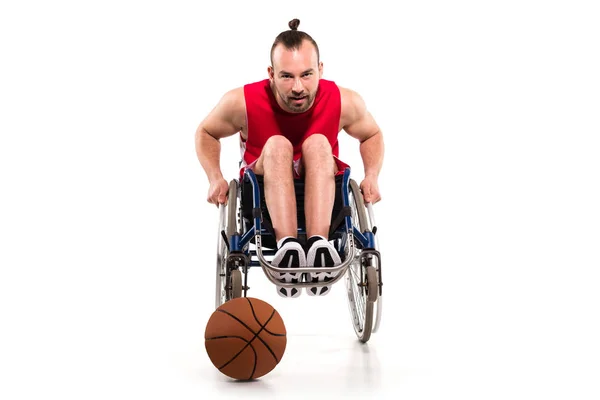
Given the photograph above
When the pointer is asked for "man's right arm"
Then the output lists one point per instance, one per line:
(226, 119)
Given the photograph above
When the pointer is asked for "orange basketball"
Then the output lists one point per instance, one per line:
(245, 338)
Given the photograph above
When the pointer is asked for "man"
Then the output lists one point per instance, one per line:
(288, 127)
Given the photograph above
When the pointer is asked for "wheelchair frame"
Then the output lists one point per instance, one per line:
(358, 248)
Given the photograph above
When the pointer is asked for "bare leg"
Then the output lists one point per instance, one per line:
(275, 164)
(319, 187)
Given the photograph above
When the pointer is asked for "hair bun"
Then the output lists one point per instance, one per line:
(294, 24)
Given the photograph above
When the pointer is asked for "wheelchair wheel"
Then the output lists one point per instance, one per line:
(379, 304)
(229, 281)
(362, 278)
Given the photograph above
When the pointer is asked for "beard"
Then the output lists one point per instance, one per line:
(295, 106)
(302, 106)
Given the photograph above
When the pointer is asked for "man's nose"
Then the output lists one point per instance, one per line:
(298, 88)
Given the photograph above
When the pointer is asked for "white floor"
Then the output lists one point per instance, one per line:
(124, 336)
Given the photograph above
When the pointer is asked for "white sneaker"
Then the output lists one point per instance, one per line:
(321, 253)
(290, 255)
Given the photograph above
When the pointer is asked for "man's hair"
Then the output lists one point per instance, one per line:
(292, 39)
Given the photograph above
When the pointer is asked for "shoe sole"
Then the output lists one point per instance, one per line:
(290, 259)
(322, 258)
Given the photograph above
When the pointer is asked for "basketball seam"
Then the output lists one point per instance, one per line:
(239, 352)
(255, 334)
(265, 326)
(227, 337)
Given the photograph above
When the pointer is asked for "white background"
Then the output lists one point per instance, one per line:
(489, 224)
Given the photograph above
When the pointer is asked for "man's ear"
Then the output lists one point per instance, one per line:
(271, 73)
(320, 69)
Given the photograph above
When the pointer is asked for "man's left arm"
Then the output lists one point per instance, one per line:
(360, 124)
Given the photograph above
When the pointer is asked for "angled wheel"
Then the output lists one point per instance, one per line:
(379, 303)
(228, 282)
(362, 278)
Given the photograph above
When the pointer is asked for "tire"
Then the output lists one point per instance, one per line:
(362, 280)
(228, 283)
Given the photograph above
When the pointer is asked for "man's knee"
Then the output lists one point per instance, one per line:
(277, 150)
(316, 145)
(317, 155)
(278, 146)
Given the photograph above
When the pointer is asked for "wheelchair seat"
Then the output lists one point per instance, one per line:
(268, 240)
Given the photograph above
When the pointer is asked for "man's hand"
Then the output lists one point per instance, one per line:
(217, 192)
(370, 190)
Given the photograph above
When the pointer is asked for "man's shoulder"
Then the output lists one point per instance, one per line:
(329, 86)
(256, 90)
(349, 96)
(345, 91)
(352, 104)
(233, 98)
(256, 86)
(239, 92)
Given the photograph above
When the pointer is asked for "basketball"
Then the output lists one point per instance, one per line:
(245, 338)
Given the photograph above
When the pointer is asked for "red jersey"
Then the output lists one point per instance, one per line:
(266, 118)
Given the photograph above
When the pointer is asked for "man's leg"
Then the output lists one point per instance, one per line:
(275, 164)
(319, 184)
(319, 195)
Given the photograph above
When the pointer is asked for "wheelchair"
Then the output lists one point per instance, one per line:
(245, 241)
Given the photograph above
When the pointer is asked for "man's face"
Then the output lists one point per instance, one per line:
(295, 77)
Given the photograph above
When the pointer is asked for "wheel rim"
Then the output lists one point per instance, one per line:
(227, 223)
(379, 303)
(221, 257)
(361, 310)
(357, 299)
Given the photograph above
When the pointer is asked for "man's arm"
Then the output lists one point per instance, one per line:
(226, 119)
(360, 124)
